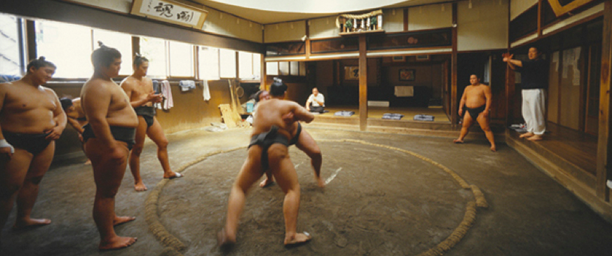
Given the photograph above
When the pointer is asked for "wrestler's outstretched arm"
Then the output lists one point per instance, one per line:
(301, 114)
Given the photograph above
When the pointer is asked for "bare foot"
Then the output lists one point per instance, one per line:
(122, 219)
(88, 162)
(117, 243)
(535, 138)
(173, 175)
(140, 186)
(320, 182)
(266, 182)
(493, 148)
(457, 141)
(30, 223)
(526, 135)
(297, 239)
(225, 241)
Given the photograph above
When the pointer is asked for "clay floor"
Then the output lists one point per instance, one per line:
(386, 194)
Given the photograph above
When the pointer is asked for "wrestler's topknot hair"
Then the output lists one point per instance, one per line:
(104, 56)
(139, 59)
(66, 102)
(278, 88)
(39, 63)
(256, 95)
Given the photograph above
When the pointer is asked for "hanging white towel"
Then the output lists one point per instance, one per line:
(206, 93)
(167, 92)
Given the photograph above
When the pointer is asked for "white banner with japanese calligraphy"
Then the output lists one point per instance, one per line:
(170, 11)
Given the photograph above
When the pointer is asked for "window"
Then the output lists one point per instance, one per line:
(283, 68)
(181, 59)
(257, 66)
(10, 63)
(303, 69)
(67, 46)
(295, 68)
(119, 41)
(249, 65)
(155, 51)
(208, 63)
(227, 60)
(272, 68)
(245, 65)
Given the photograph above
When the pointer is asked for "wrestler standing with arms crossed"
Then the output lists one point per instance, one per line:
(108, 138)
(31, 119)
(139, 90)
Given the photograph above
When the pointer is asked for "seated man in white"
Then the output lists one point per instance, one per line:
(315, 102)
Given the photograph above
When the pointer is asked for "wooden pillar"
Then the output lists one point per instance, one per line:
(363, 84)
(510, 87)
(307, 41)
(31, 38)
(405, 19)
(453, 93)
(539, 30)
(604, 149)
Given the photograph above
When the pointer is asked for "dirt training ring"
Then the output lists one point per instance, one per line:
(173, 245)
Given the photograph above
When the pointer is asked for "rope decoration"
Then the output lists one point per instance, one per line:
(362, 16)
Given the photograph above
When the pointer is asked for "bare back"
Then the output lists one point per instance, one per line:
(27, 109)
(118, 110)
(137, 89)
(475, 95)
(78, 114)
(271, 112)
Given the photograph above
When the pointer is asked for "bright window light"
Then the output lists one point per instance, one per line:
(155, 51)
(227, 59)
(67, 46)
(208, 63)
(257, 66)
(181, 59)
(121, 42)
(245, 62)
(272, 68)
(10, 63)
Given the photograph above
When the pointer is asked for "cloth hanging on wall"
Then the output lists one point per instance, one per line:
(167, 92)
(206, 93)
(187, 85)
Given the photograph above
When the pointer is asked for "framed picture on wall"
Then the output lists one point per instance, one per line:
(351, 73)
(422, 57)
(398, 58)
(406, 74)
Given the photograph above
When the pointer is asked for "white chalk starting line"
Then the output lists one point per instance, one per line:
(332, 176)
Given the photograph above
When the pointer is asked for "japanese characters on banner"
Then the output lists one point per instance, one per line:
(170, 11)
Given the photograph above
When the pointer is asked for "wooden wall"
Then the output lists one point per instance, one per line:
(189, 111)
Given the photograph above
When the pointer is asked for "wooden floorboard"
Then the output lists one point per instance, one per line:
(377, 112)
(575, 147)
